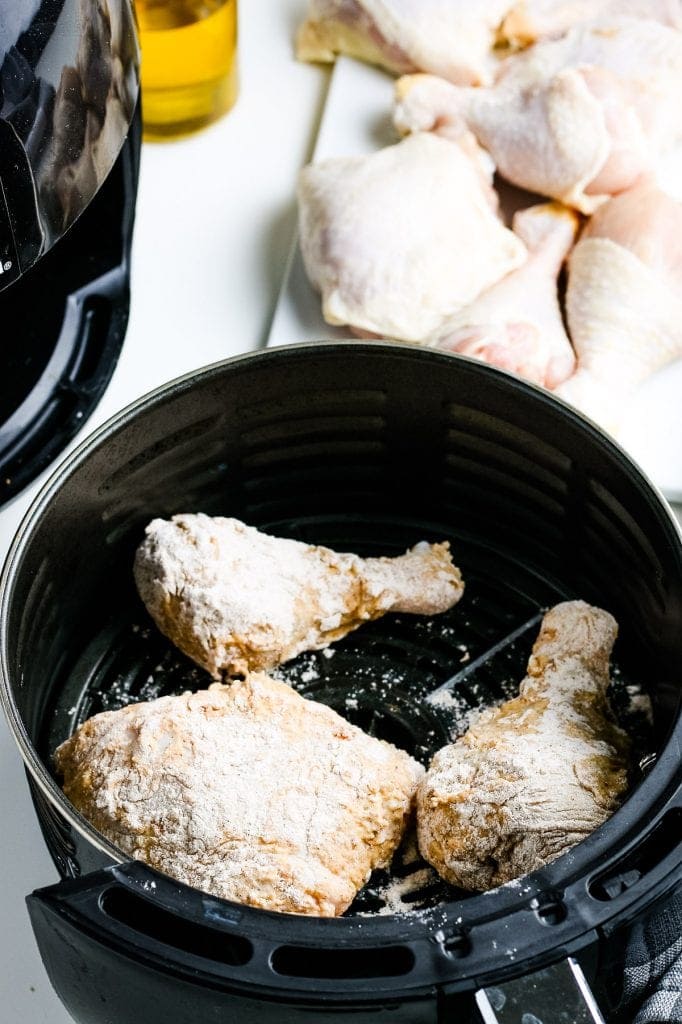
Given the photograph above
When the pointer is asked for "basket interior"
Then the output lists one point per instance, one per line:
(537, 506)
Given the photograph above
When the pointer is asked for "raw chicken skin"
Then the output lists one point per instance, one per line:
(624, 300)
(236, 600)
(531, 20)
(578, 119)
(399, 241)
(537, 774)
(517, 323)
(451, 38)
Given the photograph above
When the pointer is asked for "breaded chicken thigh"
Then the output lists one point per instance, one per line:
(247, 791)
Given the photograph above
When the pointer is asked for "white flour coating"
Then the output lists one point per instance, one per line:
(235, 599)
(461, 715)
(537, 774)
(247, 791)
(394, 891)
(639, 703)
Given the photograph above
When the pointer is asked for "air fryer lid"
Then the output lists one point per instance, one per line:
(68, 89)
(68, 316)
(369, 447)
(69, 157)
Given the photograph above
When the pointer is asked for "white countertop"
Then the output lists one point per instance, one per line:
(215, 219)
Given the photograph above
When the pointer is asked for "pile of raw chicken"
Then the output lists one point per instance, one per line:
(577, 101)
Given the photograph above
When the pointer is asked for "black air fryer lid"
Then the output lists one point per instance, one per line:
(69, 153)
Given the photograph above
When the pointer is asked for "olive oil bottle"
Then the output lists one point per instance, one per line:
(189, 64)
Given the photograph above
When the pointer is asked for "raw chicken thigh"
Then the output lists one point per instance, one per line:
(517, 323)
(531, 20)
(532, 777)
(235, 599)
(399, 241)
(247, 791)
(624, 300)
(578, 119)
(452, 38)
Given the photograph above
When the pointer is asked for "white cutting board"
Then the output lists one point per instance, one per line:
(356, 121)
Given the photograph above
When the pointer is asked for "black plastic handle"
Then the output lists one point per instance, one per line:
(128, 944)
(553, 995)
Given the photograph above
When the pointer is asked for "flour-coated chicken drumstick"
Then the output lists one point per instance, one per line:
(236, 600)
(537, 774)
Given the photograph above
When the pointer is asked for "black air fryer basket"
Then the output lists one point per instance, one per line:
(368, 447)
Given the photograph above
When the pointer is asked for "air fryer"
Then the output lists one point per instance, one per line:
(69, 159)
(367, 447)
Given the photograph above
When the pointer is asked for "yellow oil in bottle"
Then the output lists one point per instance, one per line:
(189, 63)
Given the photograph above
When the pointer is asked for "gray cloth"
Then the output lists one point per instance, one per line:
(653, 967)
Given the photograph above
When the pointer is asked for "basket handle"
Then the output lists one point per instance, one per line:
(556, 993)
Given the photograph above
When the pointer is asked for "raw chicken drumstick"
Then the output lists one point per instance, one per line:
(539, 773)
(516, 324)
(579, 118)
(531, 20)
(236, 600)
(400, 240)
(452, 38)
(247, 791)
(624, 300)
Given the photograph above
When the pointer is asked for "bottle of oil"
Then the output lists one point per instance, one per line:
(189, 64)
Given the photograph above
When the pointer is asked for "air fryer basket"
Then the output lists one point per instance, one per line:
(367, 447)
